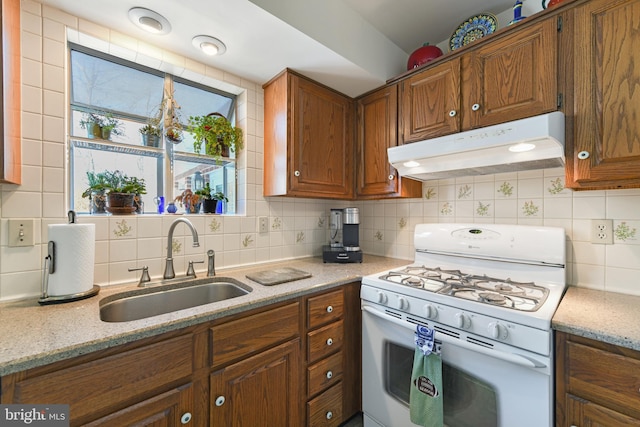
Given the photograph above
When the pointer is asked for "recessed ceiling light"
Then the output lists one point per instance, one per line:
(149, 20)
(209, 45)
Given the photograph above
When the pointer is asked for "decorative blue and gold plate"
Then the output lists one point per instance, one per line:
(473, 29)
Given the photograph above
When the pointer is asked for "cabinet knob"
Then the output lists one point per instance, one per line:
(329, 341)
(391, 177)
(453, 113)
(583, 155)
(330, 309)
(297, 173)
(220, 400)
(185, 418)
(329, 375)
(475, 107)
(329, 415)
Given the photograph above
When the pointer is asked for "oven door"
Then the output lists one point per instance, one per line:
(481, 387)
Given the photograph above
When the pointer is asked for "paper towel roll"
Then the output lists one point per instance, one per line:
(75, 246)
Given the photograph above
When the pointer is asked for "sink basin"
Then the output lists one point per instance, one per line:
(169, 298)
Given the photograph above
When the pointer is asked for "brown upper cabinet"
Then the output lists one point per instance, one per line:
(308, 139)
(604, 149)
(377, 130)
(10, 132)
(512, 77)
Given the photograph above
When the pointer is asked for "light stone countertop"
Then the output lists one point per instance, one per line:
(32, 335)
(603, 316)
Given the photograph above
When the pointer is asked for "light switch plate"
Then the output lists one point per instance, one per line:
(21, 232)
(263, 224)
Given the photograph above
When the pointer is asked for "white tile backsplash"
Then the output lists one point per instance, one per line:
(297, 227)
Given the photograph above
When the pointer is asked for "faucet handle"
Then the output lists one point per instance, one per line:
(145, 275)
(190, 271)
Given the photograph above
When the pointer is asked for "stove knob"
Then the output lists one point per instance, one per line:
(403, 303)
(464, 322)
(382, 298)
(430, 311)
(498, 331)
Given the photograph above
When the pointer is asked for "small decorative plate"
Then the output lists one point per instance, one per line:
(473, 29)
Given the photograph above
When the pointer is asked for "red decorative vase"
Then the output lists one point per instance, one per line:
(551, 3)
(423, 55)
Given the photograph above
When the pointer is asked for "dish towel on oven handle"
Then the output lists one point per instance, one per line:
(425, 398)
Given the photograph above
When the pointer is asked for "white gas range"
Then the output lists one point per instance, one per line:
(489, 291)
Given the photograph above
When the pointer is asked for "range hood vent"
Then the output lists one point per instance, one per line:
(531, 143)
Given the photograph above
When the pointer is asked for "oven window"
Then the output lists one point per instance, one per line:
(468, 401)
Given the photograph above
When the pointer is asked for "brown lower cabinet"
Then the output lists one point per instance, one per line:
(597, 384)
(293, 363)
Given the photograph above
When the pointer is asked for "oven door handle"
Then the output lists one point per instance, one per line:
(517, 359)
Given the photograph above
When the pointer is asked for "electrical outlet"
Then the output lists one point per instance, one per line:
(21, 232)
(263, 224)
(602, 231)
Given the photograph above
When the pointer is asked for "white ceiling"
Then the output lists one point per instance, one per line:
(350, 45)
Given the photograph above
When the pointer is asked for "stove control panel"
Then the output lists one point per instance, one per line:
(507, 332)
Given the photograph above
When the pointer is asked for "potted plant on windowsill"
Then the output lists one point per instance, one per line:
(122, 192)
(220, 199)
(92, 122)
(96, 192)
(217, 133)
(208, 204)
(151, 134)
(111, 126)
(189, 200)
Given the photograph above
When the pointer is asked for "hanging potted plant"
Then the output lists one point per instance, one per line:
(220, 199)
(96, 192)
(217, 133)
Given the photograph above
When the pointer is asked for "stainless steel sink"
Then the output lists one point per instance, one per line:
(169, 298)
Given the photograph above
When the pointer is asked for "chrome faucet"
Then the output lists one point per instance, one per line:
(169, 273)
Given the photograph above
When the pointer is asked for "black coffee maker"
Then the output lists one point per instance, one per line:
(344, 227)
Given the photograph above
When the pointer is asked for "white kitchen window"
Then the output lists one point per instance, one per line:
(131, 96)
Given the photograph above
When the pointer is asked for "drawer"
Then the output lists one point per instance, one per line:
(602, 377)
(242, 337)
(94, 387)
(324, 341)
(326, 409)
(324, 308)
(324, 374)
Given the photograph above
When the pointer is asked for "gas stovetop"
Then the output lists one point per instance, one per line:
(480, 288)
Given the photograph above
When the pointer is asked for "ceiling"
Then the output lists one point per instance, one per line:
(350, 45)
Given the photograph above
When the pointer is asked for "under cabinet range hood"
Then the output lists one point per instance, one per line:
(531, 143)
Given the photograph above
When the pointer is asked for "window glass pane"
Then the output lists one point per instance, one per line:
(193, 175)
(106, 85)
(134, 165)
(194, 101)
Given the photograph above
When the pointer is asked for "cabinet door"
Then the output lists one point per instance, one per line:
(173, 408)
(262, 390)
(587, 414)
(512, 77)
(606, 151)
(321, 141)
(377, 131)
(430, 103)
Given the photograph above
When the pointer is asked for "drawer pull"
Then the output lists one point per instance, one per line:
(452, 113)
(330, 309)
(185, 418)
(297, 173)
(583, 155)
(391, 177)
(329, 375)
(220, 400)
(329, 415)
(475, 107)
(329, 341)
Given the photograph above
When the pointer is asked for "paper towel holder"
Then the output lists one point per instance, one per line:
(50, 268)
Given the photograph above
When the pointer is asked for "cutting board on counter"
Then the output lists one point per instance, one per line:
(276, 276)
